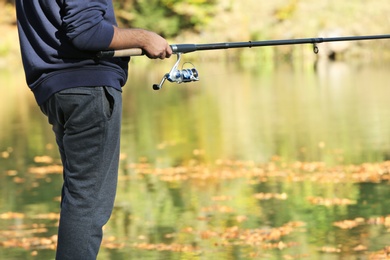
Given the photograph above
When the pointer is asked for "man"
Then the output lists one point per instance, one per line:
(81, 96)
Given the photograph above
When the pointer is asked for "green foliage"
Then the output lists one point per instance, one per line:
(166, 17)
(286, 11)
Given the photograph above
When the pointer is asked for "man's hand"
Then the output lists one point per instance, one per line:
(154, 46)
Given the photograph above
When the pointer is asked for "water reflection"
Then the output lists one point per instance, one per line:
(337, 115)
(216, 169)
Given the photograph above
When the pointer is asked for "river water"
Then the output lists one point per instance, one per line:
(252, 162)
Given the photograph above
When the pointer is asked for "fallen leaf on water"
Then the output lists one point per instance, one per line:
(360, 248)
(51, 216)
(328, 249)
(267, 196)
(18, 180)
(330, 201)
(217, 208)
(50, 169)
(29, 243)
(43, 159)
(4, 154)
(380, 255)
(349, 224)
(299, 256)
(380, 221)
(165, 247)
(241, 218)
(12, 215)
(352, 223)
(12, 173)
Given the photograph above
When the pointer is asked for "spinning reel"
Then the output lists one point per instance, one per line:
(177, 75)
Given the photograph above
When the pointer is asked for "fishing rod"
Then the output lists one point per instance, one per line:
(191, 74)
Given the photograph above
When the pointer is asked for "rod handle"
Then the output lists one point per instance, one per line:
(120, 53)
(176, 48)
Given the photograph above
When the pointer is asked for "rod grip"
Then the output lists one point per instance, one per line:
(120, 53)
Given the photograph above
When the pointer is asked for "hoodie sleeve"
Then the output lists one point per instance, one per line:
(88, 24)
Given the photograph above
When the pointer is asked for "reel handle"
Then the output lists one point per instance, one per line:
(159, 86)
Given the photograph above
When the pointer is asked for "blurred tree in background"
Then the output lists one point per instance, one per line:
(242, 20)
(165, 17)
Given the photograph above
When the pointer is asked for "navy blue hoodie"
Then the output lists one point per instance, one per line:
(58, 39)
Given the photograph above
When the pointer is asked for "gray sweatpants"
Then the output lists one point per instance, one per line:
(86, 122)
